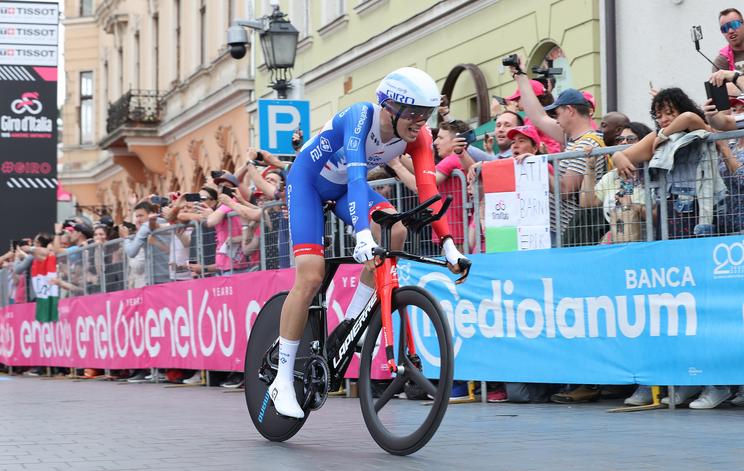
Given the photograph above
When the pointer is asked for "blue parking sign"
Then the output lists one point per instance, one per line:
(277, 120)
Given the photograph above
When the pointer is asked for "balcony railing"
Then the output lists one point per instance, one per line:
(135, 108)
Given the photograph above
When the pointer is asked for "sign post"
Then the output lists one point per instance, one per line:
(277, 120)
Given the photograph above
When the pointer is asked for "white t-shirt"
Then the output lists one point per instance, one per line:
(608, 186)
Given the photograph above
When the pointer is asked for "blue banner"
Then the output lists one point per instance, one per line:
(666, 313)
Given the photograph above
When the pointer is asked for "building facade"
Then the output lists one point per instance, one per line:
(347, 46)
(154, 101)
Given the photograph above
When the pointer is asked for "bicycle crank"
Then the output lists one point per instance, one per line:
(315, 382)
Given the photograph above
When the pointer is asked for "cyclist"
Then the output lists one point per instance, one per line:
(332, 166)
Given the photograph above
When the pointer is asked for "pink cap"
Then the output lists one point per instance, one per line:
(537, 87)
(590, 98)
(528, 130)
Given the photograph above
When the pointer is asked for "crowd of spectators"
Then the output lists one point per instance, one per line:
(603, 199)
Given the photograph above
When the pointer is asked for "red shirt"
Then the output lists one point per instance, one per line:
(452, 186)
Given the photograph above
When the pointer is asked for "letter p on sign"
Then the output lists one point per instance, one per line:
(277, 120)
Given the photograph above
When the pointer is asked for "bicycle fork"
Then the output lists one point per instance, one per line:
(386, 281)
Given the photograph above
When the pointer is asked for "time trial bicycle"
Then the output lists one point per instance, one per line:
(320, 367)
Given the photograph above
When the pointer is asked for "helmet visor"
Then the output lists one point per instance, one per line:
(409, 112)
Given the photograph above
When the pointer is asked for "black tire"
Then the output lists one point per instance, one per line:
(409, 441)
(265, 331)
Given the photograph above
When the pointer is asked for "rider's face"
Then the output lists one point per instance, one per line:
(408, 129)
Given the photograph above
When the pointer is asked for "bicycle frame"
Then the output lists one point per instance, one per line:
(386, 281)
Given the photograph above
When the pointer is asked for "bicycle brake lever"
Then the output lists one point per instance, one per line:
(464, 265)
(379, 252)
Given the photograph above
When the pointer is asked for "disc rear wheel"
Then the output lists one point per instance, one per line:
(264, 333)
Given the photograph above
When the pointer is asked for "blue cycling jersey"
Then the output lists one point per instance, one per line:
(345, 148)
(333, 166)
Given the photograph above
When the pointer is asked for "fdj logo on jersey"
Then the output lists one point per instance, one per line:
(28, 103)
(729, 260)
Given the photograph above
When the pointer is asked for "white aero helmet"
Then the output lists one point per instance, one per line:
(409, 86)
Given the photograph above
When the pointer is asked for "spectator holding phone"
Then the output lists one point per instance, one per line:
(146, 221)
(229, 228)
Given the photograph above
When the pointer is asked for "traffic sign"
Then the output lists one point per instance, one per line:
(277, 120)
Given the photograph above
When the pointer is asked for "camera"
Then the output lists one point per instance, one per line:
(228, 191)
(547, 72)
(237, 41)
(192, 197)
(512, 60)
(259, 156)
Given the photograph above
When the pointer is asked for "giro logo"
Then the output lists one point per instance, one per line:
(729, 259)
(28, 103)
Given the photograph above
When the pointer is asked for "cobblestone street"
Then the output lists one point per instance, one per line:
(56, 424)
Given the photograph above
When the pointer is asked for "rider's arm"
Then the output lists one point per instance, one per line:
(426, 176)
(357, 123)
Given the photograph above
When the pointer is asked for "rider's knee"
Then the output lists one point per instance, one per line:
(309, 282)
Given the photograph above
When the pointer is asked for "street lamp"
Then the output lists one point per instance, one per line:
(278, 42)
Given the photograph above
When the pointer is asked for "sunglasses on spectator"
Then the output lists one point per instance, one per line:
(626, 139)
(733, 24)
(409, 112)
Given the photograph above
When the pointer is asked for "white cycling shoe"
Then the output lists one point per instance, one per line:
(285, 402)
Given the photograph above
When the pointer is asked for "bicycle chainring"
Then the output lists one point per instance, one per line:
(315, 382)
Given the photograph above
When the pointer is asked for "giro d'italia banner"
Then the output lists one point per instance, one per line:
(667, 313)
(28, 116)
(199, 324)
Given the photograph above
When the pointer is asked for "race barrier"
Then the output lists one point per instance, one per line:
(200, 324)
(668, 312)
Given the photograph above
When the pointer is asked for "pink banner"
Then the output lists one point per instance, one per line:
(199, 324)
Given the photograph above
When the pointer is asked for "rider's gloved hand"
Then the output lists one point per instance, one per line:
(450, 252)
(364, 246)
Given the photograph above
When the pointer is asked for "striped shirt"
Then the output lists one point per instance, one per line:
(570, 203)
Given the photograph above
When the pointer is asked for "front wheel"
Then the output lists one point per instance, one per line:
(396, 426)
(264, 333)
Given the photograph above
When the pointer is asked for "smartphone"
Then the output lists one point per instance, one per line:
(469, 136)
(719, 95)
(696, 32)
(192, 197)
(259, 156)
(17, 243)
(228, 191)
(499, 99)
(650, 85)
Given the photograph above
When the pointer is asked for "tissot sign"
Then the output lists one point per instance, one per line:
(28, 117)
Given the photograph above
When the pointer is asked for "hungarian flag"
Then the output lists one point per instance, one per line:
(47, 294)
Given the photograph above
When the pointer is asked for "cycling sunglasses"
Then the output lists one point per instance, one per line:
(734, 24)
(409, 112)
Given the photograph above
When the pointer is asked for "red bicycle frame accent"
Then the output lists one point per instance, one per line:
(386, 280)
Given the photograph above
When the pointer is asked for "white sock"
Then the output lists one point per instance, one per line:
(361, 296)
(287, 353)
